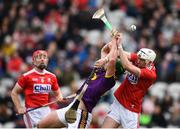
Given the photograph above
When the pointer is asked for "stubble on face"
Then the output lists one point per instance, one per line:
(41, 61)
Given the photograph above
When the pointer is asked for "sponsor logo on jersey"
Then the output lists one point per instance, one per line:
(42, 88)
(132, 78)
(42, 79)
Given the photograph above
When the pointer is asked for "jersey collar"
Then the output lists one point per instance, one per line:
(41, 73)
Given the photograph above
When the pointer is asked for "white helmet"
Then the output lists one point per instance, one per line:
(146, 54)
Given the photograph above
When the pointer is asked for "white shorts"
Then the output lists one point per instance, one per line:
(83, 119)
(123, 116)
(61, 114)
(33, 117)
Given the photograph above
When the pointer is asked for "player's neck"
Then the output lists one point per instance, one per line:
(39, 70)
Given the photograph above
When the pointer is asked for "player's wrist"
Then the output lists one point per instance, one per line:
(106, 59)
(120, 47)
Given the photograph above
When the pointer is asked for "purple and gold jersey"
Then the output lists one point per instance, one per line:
(97, 86)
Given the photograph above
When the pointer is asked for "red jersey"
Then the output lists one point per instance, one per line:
(132, 90)
(36, 87)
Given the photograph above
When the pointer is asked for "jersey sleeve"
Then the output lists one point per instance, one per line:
(55, 85)
(22, 81)
(148, 74)
(133, 57)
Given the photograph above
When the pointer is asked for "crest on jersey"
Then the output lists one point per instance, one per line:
(42, 79)
(132, 78)
(42, 88)
(49, 79)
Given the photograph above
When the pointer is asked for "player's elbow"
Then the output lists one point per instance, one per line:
(13, 93)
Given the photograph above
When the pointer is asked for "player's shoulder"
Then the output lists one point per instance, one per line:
(151, 72)
(50, 73)
(28, 73)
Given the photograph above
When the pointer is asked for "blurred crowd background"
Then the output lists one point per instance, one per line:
(73, 40)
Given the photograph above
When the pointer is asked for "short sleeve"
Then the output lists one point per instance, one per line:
(22, 81)
(55, 85)
(133, 57)
(148, 74)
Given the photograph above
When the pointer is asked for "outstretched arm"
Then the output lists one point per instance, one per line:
(104, 55)
(115, 33)
(105, 50)
(125, 61)
(128, 54)
(112, 56)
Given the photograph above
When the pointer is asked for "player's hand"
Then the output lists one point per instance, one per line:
(100, 63)
(118, 36)
(21, 110)
(60, 99)
(114, 32)
(119, 39)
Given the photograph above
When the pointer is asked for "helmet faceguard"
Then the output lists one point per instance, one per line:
(147, 54)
